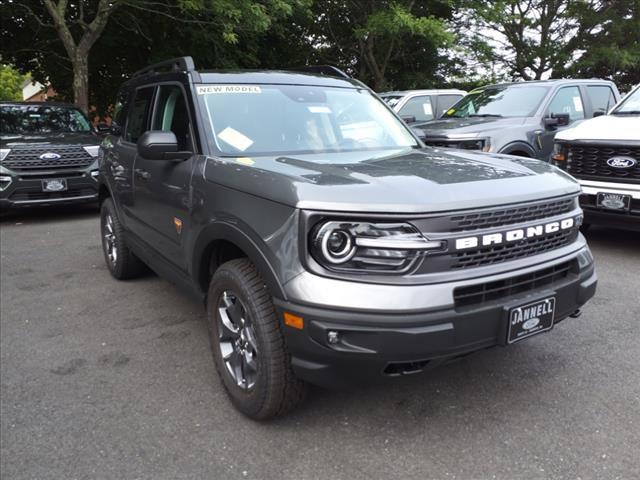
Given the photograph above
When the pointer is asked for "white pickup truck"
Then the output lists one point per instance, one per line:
(604, 155)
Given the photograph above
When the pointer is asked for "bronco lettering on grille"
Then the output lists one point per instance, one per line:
(515, 234)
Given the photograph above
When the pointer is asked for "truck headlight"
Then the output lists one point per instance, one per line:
(369, 247)
(559, 154)
(92, 150)
(4, 152)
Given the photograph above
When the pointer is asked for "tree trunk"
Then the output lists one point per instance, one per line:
(81, 82)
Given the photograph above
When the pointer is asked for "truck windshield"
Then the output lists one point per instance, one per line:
(502, 101)
(630, 105)
(282, 119)
(34, 119)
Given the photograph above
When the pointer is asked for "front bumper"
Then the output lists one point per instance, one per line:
(599, 216)
(26, 190)
(374, 345)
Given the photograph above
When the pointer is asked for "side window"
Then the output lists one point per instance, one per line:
(445, 102)
(568, 100)
(119, 109)
(601, 97)
(172, 114)
(418, 107)
(138, 115)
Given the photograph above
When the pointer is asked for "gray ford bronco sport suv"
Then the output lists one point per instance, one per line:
(329, 245)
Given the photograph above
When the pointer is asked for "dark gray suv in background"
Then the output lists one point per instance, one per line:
(519, 118)
(329, 245)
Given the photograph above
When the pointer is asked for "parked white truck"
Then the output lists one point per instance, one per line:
(604, 155)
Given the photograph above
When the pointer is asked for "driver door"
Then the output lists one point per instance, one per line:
(566, 100)
(161, 187)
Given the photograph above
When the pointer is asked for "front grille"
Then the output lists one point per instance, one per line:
(590, 161)
(462, 145)
(28, 158)
(508, 216)
(498, 290)
(492, 254)
(26, 196)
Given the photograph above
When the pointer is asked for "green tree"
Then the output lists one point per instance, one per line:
(10, 83)
(59, 38)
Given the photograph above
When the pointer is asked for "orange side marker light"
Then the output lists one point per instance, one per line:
(293, 321)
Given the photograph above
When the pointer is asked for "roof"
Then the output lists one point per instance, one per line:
(432, 91)
(550, 82)
(35, 104)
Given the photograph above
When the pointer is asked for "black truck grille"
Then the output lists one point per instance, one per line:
(590, 161)
(511, 251)
(508, 216)
(28, 158)
(498, 290)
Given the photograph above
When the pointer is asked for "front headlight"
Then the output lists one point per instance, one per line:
(482, 144)
(92, 150)
(363, 247)
(4, 152)
(559, 154)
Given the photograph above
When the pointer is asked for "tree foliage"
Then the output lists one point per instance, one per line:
(10, 83)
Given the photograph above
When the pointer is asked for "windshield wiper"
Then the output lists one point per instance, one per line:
(497, 115)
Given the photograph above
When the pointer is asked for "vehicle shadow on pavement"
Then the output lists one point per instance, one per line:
(625, 240)
(61, 213)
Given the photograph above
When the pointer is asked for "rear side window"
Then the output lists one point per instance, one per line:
(568, 100)
(602, 98)
(418, 107)
(445, 102)
(138, 115)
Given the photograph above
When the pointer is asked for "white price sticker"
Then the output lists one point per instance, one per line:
(235, 139)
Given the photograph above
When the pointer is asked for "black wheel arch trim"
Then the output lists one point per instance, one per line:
(518, 146)
(231, 233)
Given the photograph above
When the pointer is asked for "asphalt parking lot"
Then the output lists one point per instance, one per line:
(105, 379)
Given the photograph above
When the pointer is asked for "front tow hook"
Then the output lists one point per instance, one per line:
(576, 314)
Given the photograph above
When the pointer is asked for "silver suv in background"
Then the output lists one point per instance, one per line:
(519, 118)
(416, 106)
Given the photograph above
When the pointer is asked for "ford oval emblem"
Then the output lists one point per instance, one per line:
(621, 162)
(49, 156)
(531, 323)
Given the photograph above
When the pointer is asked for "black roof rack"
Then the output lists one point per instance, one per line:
(328, 70)
(180, 64)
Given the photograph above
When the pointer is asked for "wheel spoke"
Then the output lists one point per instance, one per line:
(251, 338)
(228, 330)
(235, 367)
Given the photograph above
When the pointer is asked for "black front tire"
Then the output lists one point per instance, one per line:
(273, 389)
(122, 263)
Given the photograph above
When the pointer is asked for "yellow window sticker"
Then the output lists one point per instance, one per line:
(209, 89)
(451, 111)
(245, 160)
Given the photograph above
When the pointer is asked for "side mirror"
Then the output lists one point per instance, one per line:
(556, 120)
(103, 128)
(599, 113)
(160, 145)
(408, 118)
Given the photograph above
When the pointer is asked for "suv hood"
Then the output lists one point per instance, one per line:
(88, 138)
(399, 181)
(607, 127)
(456, 126)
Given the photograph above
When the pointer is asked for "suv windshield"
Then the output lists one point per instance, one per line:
(281, 119)
(630, 105)
(503, 101)
(30, 119)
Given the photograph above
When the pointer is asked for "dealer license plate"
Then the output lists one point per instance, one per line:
(54, 185)
(531, 319)
(613, 201)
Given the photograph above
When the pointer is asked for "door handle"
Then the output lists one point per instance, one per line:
(143, 174)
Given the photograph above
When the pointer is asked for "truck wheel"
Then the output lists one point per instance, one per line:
(122, 263)
(247, 344)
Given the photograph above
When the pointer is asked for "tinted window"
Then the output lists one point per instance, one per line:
(502, 101)
(446, 101)
(118, 108)
(601, 97)
(138, 116)
(418, 107)
(172, 114)
(268, 119)
(26, 119)
(568, 100)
